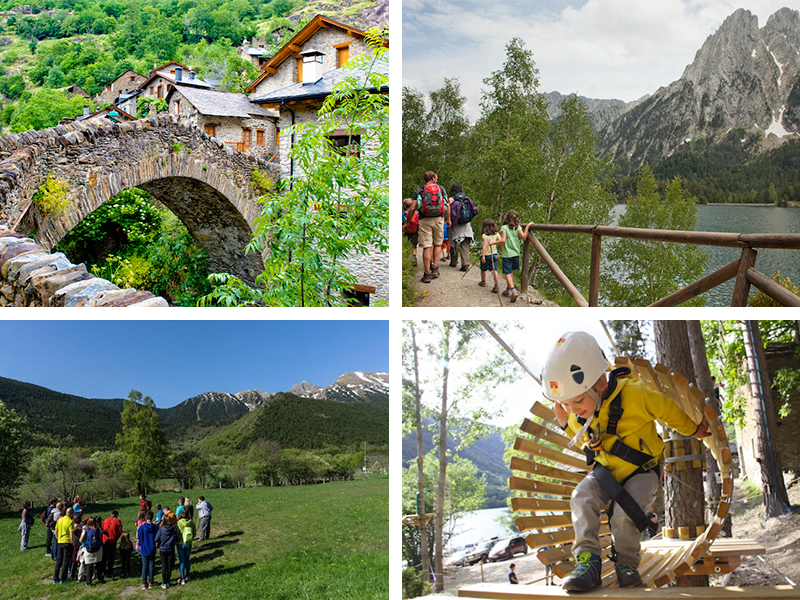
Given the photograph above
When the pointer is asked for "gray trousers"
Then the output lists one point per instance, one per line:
(463, 249)
(590, 498)
(205, 527)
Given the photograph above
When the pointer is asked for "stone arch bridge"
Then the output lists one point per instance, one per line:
(204, 183)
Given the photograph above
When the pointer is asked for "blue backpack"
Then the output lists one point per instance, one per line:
(463, 209)
(94, 541)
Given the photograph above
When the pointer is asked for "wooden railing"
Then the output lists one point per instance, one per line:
(743, 268)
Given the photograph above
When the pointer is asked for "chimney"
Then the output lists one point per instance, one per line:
(191, 75)
(85, 111)
(178, 74)
(312, 66)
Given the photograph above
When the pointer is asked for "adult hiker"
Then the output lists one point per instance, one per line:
(112, 530)
(25, 525)
(204, 509)
(462, 210)
(433, 214)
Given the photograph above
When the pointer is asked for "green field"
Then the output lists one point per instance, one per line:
(328, 541)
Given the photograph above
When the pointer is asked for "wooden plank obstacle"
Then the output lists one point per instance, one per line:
(551, 471)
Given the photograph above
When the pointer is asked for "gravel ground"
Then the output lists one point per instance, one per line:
(455, 287)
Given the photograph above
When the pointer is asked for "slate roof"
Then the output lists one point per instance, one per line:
(319, 89)
(214, 103)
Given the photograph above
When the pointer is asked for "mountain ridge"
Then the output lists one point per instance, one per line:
(742, 76)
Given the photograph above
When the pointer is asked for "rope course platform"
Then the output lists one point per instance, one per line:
(498, 591)
(549, 473)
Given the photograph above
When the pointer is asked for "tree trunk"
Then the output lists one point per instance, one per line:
(442, 481)
(683, 484)
(423, 527)
(713, 486)
(776, 500)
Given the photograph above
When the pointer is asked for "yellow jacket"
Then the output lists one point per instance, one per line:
(637, 429)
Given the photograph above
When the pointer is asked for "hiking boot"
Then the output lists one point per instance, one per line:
(627, 576)
(507, 292)
(482, 284)
(426, 278)
(514, 295)
(435, 272)
(465, 267)
(495, 289)
(586, 575)
(415, 261)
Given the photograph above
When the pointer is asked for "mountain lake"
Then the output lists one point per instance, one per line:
(756, 218)
(477, 526)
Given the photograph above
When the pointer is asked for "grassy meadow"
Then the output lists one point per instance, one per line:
(328, 541)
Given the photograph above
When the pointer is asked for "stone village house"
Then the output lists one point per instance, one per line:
(295, 82)
(229, 117)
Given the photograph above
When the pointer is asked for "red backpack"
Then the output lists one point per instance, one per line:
(412, 224)
(432, 200)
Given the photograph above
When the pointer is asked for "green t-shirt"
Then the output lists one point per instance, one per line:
(512, 245)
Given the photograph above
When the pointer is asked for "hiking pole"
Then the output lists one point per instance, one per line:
(508, 349)
(468, 270)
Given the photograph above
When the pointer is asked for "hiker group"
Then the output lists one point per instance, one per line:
(441, 224)
(85, 548)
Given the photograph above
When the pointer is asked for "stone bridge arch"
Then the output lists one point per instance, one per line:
(204, 183)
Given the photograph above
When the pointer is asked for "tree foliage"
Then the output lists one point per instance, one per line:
(645, 271)
(14, 454)
(336, 204)
(141, 441)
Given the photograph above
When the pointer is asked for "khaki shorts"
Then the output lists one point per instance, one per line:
(431, 231)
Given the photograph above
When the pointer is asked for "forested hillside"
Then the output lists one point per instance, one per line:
(54, 418)
(306, 423)
(50, 44)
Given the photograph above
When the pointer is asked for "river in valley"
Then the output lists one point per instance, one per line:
(745, 219)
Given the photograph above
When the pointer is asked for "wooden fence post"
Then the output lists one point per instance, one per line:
(594, 277)
(526, 261)
(741, 288)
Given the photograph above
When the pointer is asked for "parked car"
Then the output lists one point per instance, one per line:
(508, 547)
(457, 559)
(480, 553)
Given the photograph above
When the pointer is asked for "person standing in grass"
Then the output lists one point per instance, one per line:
(112, 529)
(511, 234)
(204, 509)
(147, 542)
(186, 531)
(64, 528)
(166, 539)
(125, 552)
(25, 525)
(92, 539)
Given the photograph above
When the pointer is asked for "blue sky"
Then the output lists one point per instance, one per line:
(171, 361)
(620, 49)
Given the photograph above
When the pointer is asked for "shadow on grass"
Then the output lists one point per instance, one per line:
(205, 557)
(199, 547)
(220, 570)
(228, 534)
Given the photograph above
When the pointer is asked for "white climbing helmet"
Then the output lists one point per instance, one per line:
(573, 366)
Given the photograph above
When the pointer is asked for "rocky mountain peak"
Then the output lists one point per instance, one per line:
(742, 76)
(305, 389)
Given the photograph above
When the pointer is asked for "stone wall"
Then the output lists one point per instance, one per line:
(31, 276)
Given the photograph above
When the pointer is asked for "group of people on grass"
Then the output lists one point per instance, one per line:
(441, 224)
(84, 548)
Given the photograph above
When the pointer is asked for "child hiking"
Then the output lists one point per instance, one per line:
(491, 238)
(411, 224)
(612, 418)
(510, 236)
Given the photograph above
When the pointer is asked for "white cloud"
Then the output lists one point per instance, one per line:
(598, 48)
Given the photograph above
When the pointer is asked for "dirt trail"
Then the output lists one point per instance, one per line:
(455, 287)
